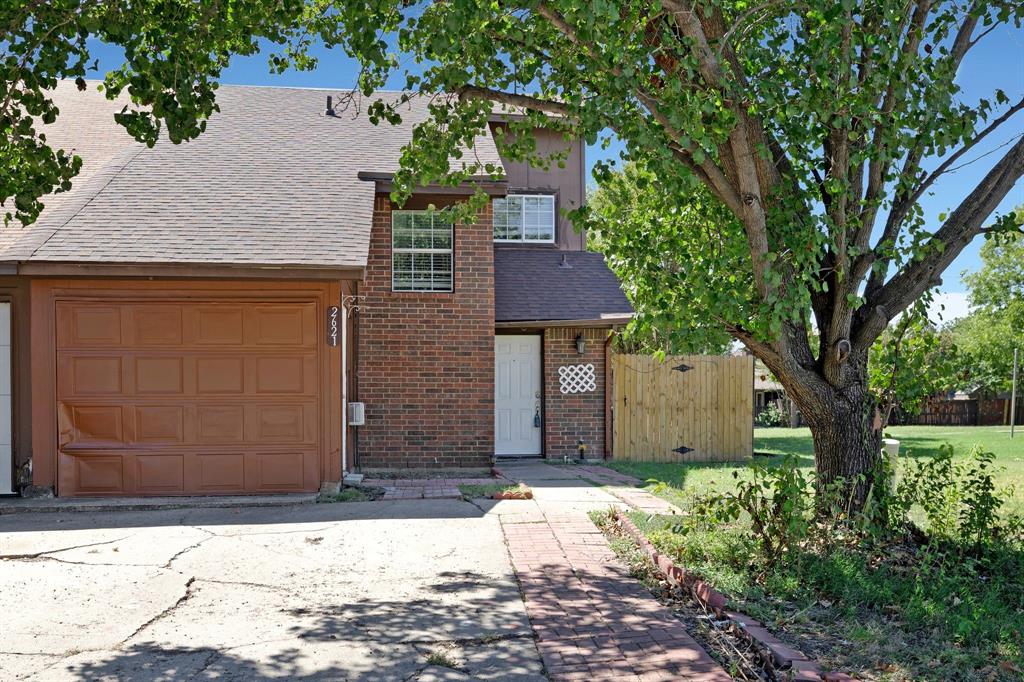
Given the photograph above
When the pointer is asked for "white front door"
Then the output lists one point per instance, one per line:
(517, 408)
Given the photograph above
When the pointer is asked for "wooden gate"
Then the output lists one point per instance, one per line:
(689, 408)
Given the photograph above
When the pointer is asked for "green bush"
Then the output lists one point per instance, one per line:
(959, 498)
(777, 501)
(772, 415)
(781, 508)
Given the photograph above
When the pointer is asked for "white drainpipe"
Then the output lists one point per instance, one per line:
(344, 386)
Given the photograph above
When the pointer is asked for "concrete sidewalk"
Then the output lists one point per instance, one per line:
(592, 620)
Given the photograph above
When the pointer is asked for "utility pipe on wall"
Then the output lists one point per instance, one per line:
(344, 380)
(349, 303)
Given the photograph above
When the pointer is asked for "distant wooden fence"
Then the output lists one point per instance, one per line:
(689, 408)
(971, 412)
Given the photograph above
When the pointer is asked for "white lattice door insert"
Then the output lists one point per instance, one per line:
(577, 379)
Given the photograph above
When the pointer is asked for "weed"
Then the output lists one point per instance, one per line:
(347, 494)
(443, 659)
(488, 490)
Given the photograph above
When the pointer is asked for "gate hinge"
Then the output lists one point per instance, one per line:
(682, 450)
(682, 368)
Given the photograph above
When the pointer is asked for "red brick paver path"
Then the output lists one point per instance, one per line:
(592, 620)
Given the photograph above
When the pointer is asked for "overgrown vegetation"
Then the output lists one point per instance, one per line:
(771, 415)
(347, 494)
(442, 658)
(926, 581)
(774, 444)
(489, 490)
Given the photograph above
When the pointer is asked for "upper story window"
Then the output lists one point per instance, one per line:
(524, 218)
(421, 251)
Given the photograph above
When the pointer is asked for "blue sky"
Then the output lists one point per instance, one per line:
(997, 62)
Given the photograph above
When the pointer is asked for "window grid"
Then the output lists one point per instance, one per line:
(524, 218)
(421, 251)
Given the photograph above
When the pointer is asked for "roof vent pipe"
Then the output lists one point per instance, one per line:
(330, 106)
(564, 265)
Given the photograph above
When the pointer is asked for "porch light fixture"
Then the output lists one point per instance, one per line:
(581, 344)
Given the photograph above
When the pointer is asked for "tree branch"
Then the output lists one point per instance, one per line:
(963, 224)
(548, 106)
(962, 43)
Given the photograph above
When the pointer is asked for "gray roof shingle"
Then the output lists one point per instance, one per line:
(272, 182)
(530, 284)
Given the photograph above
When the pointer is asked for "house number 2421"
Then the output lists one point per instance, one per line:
(332, 325)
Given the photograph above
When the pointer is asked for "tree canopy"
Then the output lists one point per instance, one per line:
(912, 362)
(995, 327)
(174, 52)
(809, 123)
(628, 211)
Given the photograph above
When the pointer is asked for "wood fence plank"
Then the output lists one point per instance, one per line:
(657, 410)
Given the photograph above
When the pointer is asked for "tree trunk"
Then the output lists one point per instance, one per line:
(847, 434)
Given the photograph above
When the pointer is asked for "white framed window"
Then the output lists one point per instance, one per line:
(421, 251)
(524, 218)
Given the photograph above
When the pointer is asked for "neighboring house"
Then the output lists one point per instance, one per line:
(177, 320)
(768, 392)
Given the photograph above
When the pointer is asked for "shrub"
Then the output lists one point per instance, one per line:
(777, 501)
(782, 508)
(959, 498)
(772, 415)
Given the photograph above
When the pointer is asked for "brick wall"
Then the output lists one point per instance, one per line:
(570, 417)
(425, 365)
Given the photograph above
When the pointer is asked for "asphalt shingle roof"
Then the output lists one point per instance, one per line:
(272, 182)
(530, 284)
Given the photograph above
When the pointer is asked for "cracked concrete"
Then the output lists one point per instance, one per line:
(358, 591)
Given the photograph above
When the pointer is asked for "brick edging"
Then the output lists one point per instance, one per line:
(802, 668)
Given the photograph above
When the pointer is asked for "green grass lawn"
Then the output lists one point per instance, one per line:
(890, 611)
(915, 441)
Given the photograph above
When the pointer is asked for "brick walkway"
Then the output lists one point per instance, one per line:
(592, 620)
(624, 487)
(424, 488)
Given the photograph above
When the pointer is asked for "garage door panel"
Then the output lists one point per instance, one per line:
(222, 472)
(188, 397)
(92, 326)
(292, 326)
(276, 375)
(220, 423)
(217, 325)
(160, 424)
(220, 375)
(163, 473)
(159, 375)
(156, 325)
(280, 423)
(276, 471)
(99, 474)
(97, 426)
(89, 375)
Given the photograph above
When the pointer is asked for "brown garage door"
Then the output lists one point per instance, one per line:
(187, 397)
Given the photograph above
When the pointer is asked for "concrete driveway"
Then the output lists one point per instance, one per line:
(356, 591)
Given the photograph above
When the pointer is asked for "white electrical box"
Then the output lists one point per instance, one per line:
(356, 414)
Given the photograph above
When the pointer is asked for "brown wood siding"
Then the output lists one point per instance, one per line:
(567, 183)
(162, 388)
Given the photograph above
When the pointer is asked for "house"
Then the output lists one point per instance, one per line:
(203, 318)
